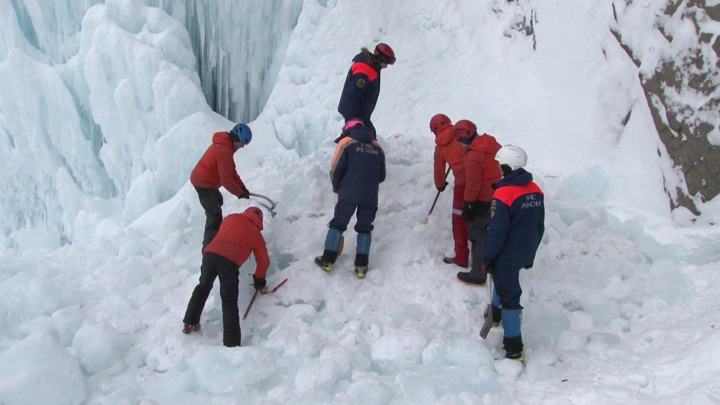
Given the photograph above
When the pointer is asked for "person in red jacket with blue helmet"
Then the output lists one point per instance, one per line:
(216, 168)
(362, 84)
(515, 230)
(239, 236)
(356, 171)
(448, 151)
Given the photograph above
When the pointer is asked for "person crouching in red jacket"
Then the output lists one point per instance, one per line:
(238, 236)
(216, 168)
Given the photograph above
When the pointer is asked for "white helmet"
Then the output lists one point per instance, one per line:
(511, 155)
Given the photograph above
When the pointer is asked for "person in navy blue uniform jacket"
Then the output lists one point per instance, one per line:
(356, 171)
(515, 229)
(362, 84)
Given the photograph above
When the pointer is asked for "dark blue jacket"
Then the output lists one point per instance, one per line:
(517, 221)
(361, 90)
(358, 166)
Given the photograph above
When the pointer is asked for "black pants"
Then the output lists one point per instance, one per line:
(211, 201)
(214, 266)
(477, 233)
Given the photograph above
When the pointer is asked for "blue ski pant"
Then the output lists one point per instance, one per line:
(506, 295)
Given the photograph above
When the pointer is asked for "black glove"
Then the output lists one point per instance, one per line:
(467, 212)
(487, 269)
(245, 193)
(259, 283)
(529, 266)
(441, 189)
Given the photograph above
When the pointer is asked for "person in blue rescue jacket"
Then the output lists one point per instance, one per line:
(356, 171)
(515, 229)
(362, 84)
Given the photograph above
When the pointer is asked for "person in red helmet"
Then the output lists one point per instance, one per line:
(362, 84)
(238, 236)
(216, 168)
(448, 151)
(481, 171)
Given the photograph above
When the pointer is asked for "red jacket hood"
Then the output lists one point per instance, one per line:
(222, 138)
(254, 219)
(485, 143)
(444, 135)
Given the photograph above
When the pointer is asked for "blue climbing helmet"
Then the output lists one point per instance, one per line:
(241, 133)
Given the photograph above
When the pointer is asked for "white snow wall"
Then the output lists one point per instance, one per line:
(61, 148)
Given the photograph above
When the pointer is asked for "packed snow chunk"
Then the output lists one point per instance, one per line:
(320, 375)
(220, 369)
(369, 391)
(509, 370)
(424, 385)
(38, 370)
(99, 347)
(585, 187)
(398, 350)
(462, 351)
(25, 297)
(664, 282)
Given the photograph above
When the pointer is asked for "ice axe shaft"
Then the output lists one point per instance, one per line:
(436, 195)
(263, 292)
(250, 304)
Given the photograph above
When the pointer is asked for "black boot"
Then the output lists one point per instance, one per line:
(514, 348)
(361, 265)
(472, 279)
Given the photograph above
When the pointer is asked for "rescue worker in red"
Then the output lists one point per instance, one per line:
(362, 84)
(216, 168)
(448, 151)
(239, 235)
(481, 171)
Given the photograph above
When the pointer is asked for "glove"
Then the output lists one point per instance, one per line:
(259, 283)
(441, 189)
(487, 269)
(245, 193)
(467, 213)
(528, 267)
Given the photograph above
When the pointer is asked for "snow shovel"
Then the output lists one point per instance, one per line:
(487, 323)
(270, 208)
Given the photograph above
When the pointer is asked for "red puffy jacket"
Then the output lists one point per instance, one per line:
(481, 168)
(216, 167)
(448, 151)
(238, 236)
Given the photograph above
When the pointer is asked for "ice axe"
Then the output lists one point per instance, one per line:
(265, 291)
(436, 196)
(272, 205)
(487, 323)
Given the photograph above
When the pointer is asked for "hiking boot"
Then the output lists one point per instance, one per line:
(519, 356)
(471, 279)
(326, 266)
(360, 271)
(451, 260)
(187, 328)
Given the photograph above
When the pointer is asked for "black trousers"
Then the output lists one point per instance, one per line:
(214, 266)
(477, 233)
(211, 201)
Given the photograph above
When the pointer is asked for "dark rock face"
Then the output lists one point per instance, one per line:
(684, 98)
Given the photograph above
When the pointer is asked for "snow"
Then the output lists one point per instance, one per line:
(100, 246)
